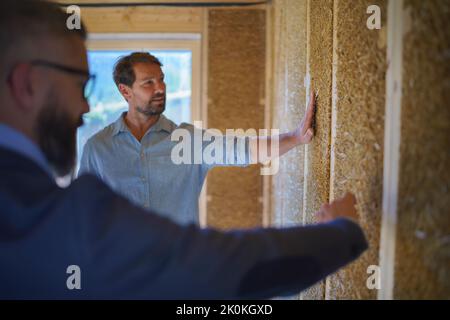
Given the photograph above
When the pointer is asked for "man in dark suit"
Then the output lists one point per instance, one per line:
(85, 241)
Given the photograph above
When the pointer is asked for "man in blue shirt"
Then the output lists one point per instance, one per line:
(134, 154)
(87, 242)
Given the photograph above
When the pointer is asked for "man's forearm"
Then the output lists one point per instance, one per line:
(286, 142)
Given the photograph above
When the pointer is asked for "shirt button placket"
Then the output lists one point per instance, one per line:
(142, 166)
(146, 204)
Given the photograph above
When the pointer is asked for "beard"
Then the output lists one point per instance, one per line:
(56, 133)
(154, 108)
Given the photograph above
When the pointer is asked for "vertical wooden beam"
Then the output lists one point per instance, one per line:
(267, 180)
(333, 120)
(203, 199)
(391, 147)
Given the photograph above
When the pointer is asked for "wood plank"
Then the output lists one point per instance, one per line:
(391, 148)
(143, 19)
(160, 1)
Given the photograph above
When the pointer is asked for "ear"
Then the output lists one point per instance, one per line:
(20, 83)
(125, 91)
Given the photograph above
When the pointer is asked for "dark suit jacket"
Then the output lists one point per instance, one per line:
(126, 252)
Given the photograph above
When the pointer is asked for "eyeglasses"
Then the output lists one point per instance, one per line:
(88, 86)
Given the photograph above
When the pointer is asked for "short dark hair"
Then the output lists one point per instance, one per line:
(25, 20)
(123, 69)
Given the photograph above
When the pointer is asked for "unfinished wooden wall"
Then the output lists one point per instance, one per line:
(289, 69)
(236, 82)
(422, 255)
(357, 140)
(346, 64)
(317, 166)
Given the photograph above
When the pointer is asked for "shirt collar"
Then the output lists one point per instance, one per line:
(119, 125)
(163, 124)
(14, 140)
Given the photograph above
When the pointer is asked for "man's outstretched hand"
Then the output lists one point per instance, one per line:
(340, 208)
(305, 132)
(286, 141)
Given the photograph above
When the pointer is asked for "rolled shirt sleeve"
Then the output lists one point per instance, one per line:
(225, 150)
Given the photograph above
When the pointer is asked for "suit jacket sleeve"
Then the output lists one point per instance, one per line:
(131, 253)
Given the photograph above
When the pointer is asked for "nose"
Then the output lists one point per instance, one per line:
(160, 87)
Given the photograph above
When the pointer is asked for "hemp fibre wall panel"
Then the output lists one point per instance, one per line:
(320, 57)
(289, 104)
(357, 144)
(236, 82)
(423, 226)
(289, 65)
